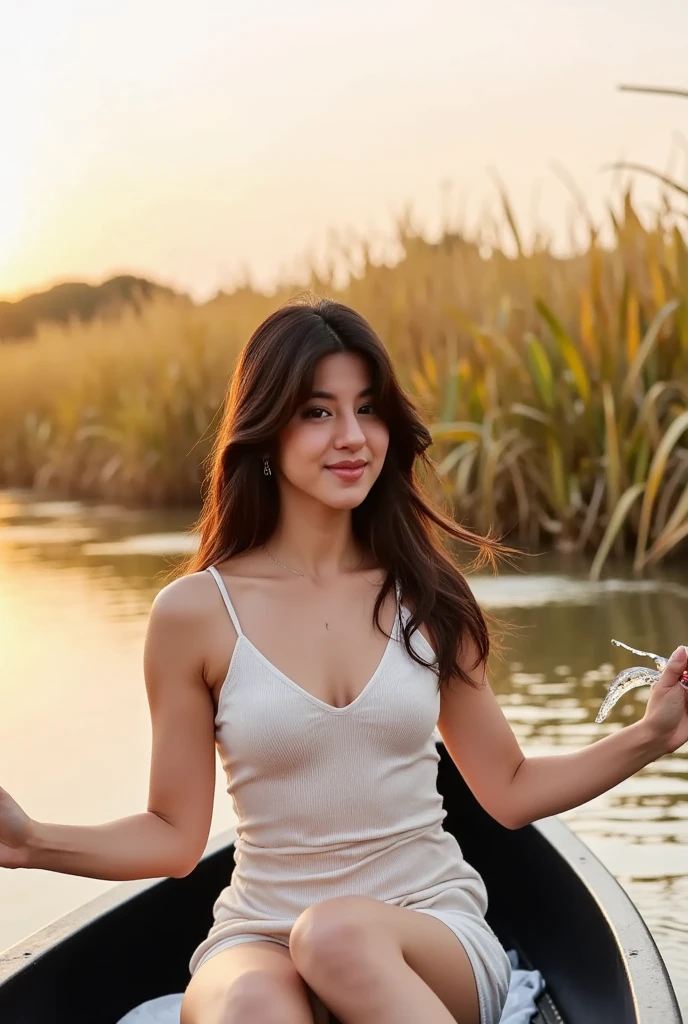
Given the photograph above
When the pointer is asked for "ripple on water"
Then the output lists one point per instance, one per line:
(528, 678)
(54, 509)
(529, 713)
(533, 590)
(12, 505)
(154, 544)
(549, 689)
(44, 535)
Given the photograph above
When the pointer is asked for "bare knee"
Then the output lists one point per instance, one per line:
(253, 994)
(333, 946)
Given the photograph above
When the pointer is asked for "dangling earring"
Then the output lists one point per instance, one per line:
(266, 466)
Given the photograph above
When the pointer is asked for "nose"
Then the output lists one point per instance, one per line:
(350, 434)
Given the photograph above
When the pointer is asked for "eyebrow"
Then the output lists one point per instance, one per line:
(328, 394)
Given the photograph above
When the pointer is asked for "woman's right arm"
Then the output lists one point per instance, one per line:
(170, 836)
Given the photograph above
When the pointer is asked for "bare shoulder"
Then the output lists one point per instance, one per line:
(193, 603)
(186, 599)
(189, 630)
(179, 617)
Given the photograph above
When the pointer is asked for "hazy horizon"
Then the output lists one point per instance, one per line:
(185, 144)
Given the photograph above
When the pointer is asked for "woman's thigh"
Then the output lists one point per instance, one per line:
(347, 935)
(251, 981)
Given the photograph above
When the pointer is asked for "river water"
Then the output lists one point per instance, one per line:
(76, 584)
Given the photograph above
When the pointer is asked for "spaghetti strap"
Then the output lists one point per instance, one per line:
(225, 597)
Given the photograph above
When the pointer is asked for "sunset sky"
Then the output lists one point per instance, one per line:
(184, 140)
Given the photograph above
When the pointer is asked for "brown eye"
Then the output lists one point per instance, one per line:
(316, 412)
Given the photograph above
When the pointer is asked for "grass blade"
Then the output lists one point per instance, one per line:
(541, 371)
(567, 349)
(657, 89)
(612, 452)
(648, 343)
(657, 467)
(456, 431)
(616, 522)
(642, 169)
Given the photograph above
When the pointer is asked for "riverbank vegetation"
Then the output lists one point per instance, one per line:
(557, 389)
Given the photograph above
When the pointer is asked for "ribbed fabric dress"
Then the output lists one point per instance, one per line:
(341, 802)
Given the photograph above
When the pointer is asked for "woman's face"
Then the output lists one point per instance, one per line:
(334, 447)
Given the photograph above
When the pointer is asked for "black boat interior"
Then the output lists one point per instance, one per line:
(550, 899)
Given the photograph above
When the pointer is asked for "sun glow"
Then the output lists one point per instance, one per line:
(11, 216)
(134, 136)
(14, 222)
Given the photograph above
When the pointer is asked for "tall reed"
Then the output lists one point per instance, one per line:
(557, 388)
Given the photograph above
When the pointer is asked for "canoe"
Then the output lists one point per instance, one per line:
(550, 899)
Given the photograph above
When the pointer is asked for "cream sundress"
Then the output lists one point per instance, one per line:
(341, 802)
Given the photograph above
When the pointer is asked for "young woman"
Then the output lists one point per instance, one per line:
(318, 637)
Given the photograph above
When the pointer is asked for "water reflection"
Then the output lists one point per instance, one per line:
(76, 585)
(537, 590)
(148, 544)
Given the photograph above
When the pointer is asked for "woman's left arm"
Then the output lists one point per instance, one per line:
(516, 789)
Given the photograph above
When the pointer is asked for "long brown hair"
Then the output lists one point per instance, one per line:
(397, 524)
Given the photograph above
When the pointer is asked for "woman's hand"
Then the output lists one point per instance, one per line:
(666, 715)
(15, 833)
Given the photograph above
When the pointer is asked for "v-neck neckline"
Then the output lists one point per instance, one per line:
(242, 638)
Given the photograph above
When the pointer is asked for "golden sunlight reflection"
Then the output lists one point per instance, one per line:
(13, 214)
(74, 732)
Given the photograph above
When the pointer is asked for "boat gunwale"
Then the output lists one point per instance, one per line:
(643, 963)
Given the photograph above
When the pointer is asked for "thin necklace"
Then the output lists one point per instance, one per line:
(296, 573)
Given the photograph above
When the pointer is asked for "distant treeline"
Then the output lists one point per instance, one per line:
(75, 301)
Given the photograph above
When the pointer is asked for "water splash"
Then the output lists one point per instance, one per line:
(630, 678)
